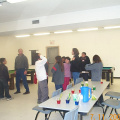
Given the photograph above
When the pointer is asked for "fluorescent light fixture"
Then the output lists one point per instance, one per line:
(63, 31)
(41, 34)
(112, 27)
(23, 36)
(89, 29)
(15, 1)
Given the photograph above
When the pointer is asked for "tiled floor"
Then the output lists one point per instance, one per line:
(20, 108)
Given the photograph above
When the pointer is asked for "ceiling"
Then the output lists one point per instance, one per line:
(37, 8)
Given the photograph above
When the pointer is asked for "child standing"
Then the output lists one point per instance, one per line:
(41, 77)
(4, 80)
(58, 73)
(67, 73)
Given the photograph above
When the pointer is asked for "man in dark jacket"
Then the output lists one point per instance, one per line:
(21, 67)
(84, 59)
(4, 80)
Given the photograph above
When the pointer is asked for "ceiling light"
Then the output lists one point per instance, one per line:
(23, 36)
(63, 31)
(89, 29)
(15, 1)
(41, 34)
(112, 27)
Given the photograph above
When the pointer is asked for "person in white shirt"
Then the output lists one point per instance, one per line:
(41, 77)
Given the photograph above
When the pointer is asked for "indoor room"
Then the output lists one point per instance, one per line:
(43, 29)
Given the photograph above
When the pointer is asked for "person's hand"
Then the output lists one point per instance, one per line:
(15, 72)
(25, 72)
(8, 82)
(73, 58)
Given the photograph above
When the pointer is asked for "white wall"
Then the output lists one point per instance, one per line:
(105, 43)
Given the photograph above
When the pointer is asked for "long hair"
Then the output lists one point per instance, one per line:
(96, 59)
(76, 52)
(60, 63)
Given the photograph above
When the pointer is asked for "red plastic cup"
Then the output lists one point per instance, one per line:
(58, 101)
(101, 82)
(79, 91)
(72, 91)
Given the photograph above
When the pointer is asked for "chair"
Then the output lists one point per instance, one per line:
(78, 80)
(114, 104)
(112, 94)
(57, 92)
(69, 86)
(46, 112)
(72, 115)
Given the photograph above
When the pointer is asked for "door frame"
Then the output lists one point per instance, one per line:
(53, 47)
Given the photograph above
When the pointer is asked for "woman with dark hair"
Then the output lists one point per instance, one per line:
(96, 68)
(96, 72)
(75, 64)
(58, 73)
(4, 80)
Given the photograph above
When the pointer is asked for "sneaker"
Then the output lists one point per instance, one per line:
(26, 93)
(9, 99)
(17, 92)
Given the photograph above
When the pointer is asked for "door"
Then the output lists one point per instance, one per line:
(52, 52)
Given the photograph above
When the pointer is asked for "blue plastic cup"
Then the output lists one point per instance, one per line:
(67, 101)
(76, 102)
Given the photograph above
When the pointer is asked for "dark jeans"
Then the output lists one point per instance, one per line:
(85, 76)
(19, 75)
(4, 86)
(75, 76)
(58, 87)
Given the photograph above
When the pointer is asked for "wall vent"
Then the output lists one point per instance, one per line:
(35, 22)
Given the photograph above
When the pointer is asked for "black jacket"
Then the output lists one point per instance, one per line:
(4, 72)
(83, 62)
(75, 64)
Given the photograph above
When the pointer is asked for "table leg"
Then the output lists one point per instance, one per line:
(108, 78)
(12, 82)
(81, 117)
(111, 78)
(32, 77)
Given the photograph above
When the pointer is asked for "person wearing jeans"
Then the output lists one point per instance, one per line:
(21, 66)
(75, 64)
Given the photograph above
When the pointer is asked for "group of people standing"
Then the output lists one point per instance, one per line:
(63, 70)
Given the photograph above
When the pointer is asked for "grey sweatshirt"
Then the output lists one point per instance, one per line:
(58, 75)
(96, 71)
(21, 61)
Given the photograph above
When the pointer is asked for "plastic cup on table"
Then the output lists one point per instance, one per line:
(82, 84)
(76, 102)
(94, 88)
(58, 101)
(67, 101)
(72, 91)
(86, 84)
(74, 97)
(101, 82)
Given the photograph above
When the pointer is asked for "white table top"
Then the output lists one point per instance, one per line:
(83, 107)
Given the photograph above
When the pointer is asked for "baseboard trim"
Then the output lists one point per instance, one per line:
(117, 77)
